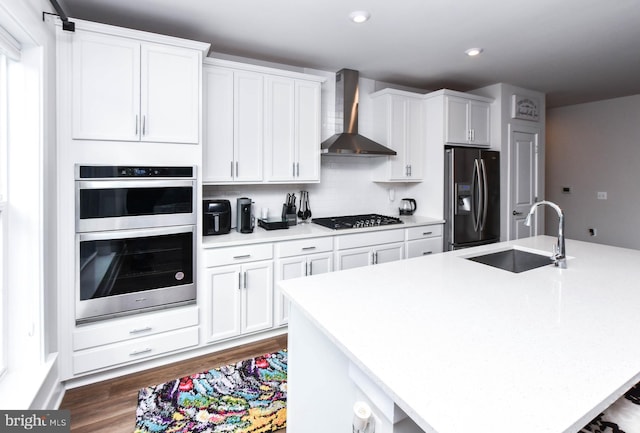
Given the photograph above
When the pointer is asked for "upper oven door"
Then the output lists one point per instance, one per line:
(132, 203)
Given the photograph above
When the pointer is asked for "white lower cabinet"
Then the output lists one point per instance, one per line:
(424, 240)
(114, 342)
(299, 258)
(364, 249)
(239, 297)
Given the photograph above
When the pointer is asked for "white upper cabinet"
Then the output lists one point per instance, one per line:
(399, 123)
(262, 125)
(234, 113)
(467, 121)
(292, 130)
(124, 89)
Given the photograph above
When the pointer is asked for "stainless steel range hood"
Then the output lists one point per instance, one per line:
(347, 141)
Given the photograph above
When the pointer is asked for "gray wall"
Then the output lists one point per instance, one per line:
(596, 147)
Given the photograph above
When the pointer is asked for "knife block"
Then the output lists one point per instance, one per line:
(289, 213)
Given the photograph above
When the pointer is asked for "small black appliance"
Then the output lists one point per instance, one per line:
(244, 215)
(216, 217)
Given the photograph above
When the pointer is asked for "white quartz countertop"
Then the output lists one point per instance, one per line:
(301, 231)
(464, 347)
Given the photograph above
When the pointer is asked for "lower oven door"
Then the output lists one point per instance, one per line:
(120, 272)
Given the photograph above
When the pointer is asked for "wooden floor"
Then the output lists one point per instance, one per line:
(110, 406)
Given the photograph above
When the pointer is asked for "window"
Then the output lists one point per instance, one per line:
(9, 52)
(3, 205)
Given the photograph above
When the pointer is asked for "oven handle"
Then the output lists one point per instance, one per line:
(139, 233)
(127, 183)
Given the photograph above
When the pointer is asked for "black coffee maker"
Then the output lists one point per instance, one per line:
(244, 215)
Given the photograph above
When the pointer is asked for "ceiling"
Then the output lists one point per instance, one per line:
(575, 51)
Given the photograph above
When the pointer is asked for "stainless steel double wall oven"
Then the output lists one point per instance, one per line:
(135, 239)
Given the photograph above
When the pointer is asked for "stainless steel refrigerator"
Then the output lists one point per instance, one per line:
(471, 197)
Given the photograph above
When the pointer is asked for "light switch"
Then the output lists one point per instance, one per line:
(602, 195)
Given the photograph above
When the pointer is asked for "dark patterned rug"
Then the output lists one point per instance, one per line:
(250, 396)
(623, 416)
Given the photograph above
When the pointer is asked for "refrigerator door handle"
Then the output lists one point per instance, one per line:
(485, 194)
(476, 207)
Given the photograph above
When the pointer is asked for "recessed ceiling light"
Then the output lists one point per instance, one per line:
(359, 16)
(471, 52)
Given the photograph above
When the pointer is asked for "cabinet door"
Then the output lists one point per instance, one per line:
(106, 87)
(389, 252)
(456, 127)
(353, 258)
(218, 163)
(248, 126)
(290, 267)
(257, 297)
(307, 131)
(415, 133)
(224, 293)
(479, 122)
(170, 94)
(280, 128)
(320, 263)
(398, 138)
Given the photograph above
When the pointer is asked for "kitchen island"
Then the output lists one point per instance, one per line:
(444, 344)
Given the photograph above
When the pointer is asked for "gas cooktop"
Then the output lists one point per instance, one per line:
(356, 221)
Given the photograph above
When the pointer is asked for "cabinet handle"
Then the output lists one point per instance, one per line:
(245, 256)
(310, 268)
(245, 279)
(427, 233)
(306, 269)
(293, 169)
(425, 253)
(231, 162)
(297, 169)
(136, 124)
(375, 257)
(237, 171)
(140, 330)
(140, 352)
(308, 248)
(144, 125)
(239, 280)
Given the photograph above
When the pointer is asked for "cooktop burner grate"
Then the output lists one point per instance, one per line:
(356, 221)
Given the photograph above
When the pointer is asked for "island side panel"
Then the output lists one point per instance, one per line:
(320, 393)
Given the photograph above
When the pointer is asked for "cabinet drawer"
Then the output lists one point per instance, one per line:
(239, 254)
(127, 328)
(129, 351)
(371, 238)
(304, 246)
(424, 232)
(423, 247)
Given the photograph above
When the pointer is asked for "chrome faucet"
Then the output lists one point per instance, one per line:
(559, 256)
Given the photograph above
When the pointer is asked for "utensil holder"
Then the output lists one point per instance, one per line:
(289, 214)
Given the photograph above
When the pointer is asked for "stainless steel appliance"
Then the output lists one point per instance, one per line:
(216, 217)
(471, 197)
(407, 206)
(356, 221)
(244, 215)
(347, 141)
(135, 239)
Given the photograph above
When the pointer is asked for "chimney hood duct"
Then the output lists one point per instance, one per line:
(347, 141)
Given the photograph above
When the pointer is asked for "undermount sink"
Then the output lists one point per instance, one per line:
(513, 260)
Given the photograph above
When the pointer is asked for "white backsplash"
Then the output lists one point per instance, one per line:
(346, 188)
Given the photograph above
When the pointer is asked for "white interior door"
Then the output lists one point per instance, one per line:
(523, 153)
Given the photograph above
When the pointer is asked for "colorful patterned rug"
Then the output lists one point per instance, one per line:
(250, 396)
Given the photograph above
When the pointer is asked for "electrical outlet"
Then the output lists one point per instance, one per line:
(593, 232)
(602, 195)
